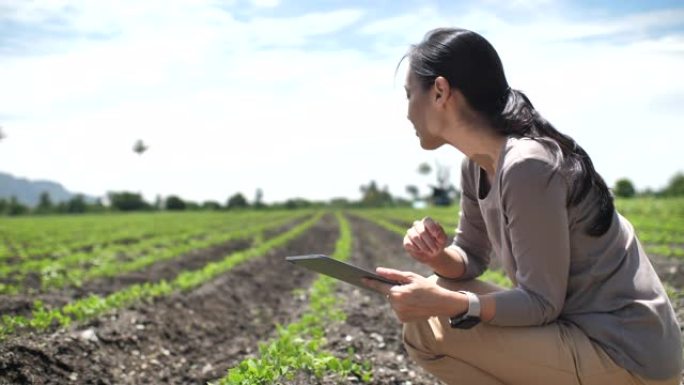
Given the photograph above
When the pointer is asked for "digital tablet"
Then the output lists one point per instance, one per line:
(337, 269)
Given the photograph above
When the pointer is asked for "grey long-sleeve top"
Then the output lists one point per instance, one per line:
(605, 285)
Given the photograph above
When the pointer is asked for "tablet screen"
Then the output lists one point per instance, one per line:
(337, 269)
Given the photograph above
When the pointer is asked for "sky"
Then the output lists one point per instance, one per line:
(301, 98)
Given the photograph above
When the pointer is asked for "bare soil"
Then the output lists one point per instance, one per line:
(22, 304)
(371, 328)
(186, 338)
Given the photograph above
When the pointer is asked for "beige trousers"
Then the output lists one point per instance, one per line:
(554, 354)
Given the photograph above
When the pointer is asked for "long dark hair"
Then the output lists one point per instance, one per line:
(472, 66)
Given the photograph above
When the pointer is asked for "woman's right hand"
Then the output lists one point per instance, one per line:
(425, 241)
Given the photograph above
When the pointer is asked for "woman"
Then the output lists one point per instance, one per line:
(586, 305)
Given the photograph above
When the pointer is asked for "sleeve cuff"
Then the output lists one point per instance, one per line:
(468, 272)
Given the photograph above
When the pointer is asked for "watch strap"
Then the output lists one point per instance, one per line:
(471, 317)
(474, 309)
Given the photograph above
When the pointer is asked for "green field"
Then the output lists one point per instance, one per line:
(61, 274)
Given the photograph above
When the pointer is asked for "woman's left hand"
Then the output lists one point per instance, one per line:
(417, 298)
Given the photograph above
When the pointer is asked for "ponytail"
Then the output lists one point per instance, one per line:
(519, 117)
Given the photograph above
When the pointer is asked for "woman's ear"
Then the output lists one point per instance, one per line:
(442, 90)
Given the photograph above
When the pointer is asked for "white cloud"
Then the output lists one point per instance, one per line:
(295, 30)
(265, 3)
(229, 105)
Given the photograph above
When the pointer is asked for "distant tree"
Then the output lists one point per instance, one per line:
(413, 191)
(211, 205)
(61, 208)
(647, 192)
(175, 203)
(624, 188)
(2, 134)
(340, 203)
(259, 199)
(16, 208)
(140, 147)
(158, 202)
(76, 205)
(45, 204)
(372, 196)
(675, 187)
(297, 203)
(97, 206)
(237, 201)
(127, 201)
(3, 206)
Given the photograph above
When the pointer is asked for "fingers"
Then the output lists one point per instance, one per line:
(374, 284)
(396, 275)
(435, 230)
(380, 287)
(425, 240)
(408, 244)
(403, 302)
(422, 240)
(418, 255)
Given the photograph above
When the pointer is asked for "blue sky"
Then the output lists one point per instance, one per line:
(300, 98)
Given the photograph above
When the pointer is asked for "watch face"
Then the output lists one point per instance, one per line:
(465, 322)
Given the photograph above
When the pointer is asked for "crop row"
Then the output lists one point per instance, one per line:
(56, 236)
(651, 207)
(62, 235)
(94, 305)
(77, 268)
(298, 346)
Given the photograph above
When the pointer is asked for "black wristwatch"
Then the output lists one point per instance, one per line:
(471, 317)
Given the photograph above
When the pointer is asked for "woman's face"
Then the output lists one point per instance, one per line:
(422, 113)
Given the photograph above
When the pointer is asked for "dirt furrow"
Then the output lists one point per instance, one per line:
(186, 338)
(21, 304)
(371, 328)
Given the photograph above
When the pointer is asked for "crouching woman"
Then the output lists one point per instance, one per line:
(585, 307)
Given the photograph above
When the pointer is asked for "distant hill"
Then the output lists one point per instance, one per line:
(28, 192)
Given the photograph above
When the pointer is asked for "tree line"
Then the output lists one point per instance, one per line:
(125, 201)
(624, 188)
(372, 195)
